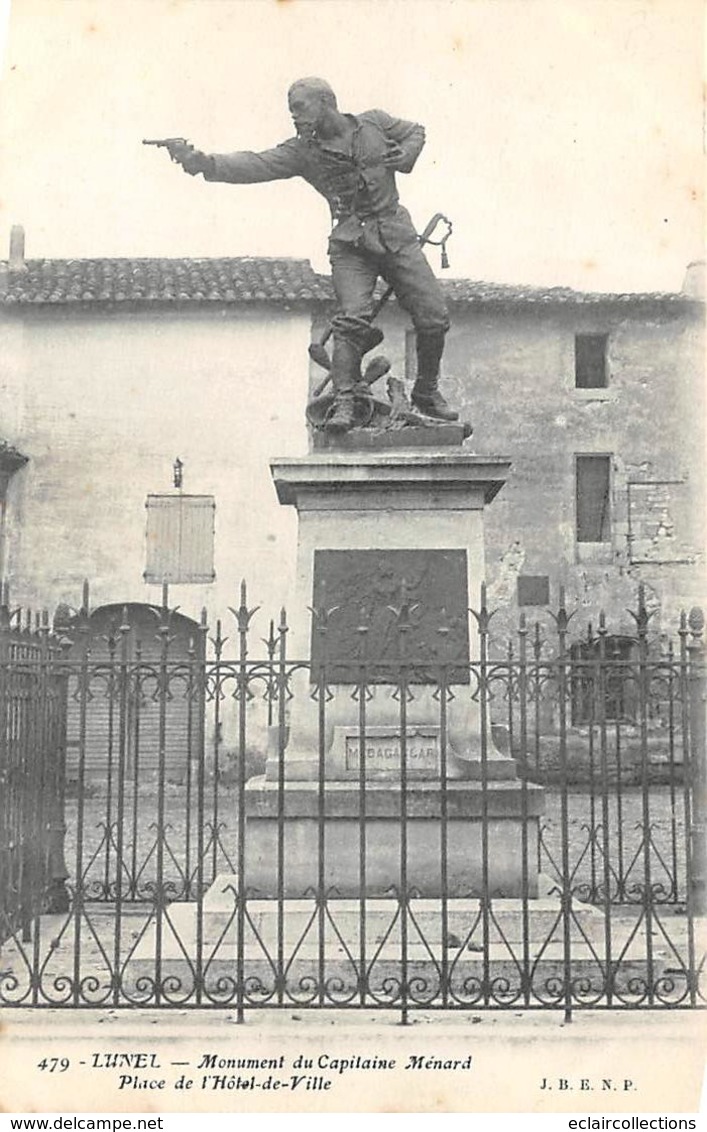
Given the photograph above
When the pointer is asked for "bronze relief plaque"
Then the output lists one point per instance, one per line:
(360, 620)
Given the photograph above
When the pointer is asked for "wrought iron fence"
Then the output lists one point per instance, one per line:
(32, 765)
(518, 827)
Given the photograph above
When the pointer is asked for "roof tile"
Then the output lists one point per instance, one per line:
(247, 279)
(164, 281)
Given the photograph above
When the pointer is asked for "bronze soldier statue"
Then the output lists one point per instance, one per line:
(352, 161)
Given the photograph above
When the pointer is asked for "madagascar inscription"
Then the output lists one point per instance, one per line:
(383, 755)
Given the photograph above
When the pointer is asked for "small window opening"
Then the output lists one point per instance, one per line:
(590, 369)
(593, 488)
(604, 681)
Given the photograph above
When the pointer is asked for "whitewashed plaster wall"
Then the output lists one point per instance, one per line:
(103, 401)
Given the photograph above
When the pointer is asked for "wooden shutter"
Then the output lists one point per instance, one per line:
(593, 498)
(180, 538)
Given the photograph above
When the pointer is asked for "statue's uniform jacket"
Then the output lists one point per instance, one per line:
(372, 234)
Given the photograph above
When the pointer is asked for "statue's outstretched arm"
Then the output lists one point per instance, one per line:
(246, 168)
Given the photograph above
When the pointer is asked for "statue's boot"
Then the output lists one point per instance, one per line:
(426, 396)
(345, 375)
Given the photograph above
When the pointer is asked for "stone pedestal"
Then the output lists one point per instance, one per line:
(378, 530)
(369, 846)
(395, 509)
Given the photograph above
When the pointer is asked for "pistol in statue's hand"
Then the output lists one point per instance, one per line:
(181, 151)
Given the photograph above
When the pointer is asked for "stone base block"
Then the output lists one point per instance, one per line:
(362, 849)
(437, 435)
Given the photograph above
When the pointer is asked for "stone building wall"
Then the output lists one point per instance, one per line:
(102, 402)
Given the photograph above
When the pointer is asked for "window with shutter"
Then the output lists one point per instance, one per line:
(590, 368)
(593, 498)
(180, 538)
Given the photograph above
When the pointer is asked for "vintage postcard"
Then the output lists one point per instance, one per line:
(352, 677)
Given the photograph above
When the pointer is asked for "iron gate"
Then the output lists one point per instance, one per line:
(120, 881)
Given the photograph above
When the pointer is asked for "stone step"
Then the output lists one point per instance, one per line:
(507, 916)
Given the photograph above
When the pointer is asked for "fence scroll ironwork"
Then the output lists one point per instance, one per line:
(148, 789)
